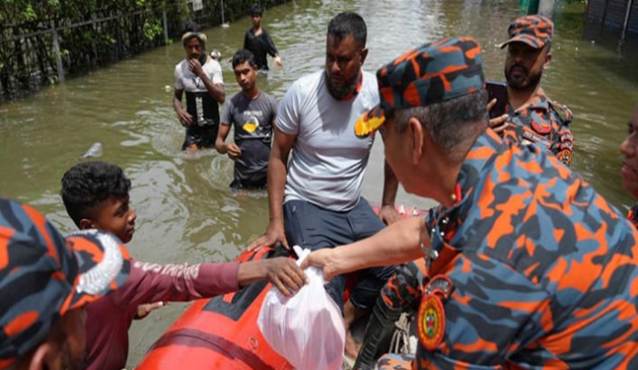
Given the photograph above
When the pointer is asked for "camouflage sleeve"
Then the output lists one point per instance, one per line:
(404, 287)
(491, 305)
(563, 143)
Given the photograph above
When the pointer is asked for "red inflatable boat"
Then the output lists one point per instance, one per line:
(221, 333)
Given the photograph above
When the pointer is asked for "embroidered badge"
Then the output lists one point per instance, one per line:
(431, 322)
(431, 318)
(565, 156)
(535, 138)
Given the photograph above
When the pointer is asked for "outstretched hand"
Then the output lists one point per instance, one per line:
(284, 273)
(279, 62)
(323, 259)
(144, 309)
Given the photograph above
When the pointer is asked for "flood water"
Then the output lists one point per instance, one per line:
(186, 212)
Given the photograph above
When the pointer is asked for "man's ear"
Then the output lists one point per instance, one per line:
(416, 133)
(86, 224)
(42, 358)
(548, 60)
(364, 55)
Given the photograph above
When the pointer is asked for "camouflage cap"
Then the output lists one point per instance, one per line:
(533, 30)
(43, 275)
(432, 73)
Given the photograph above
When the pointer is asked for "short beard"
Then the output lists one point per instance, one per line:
(340, 93)
(529, 83)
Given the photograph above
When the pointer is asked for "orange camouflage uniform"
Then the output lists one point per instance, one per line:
(543, 122)
(544, 269)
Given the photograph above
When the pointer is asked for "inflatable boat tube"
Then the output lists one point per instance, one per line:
(221, 332)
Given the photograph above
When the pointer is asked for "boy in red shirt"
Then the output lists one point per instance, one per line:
(96, 196)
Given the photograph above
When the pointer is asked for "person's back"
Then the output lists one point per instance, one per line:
(328, 160)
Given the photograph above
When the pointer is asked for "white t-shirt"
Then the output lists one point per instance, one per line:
(199, 103)
(328, 160)
(186, 80)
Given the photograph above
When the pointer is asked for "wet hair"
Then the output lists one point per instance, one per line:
(86, 185)
(256, 9)
(451, 123)
(344, 24)
(243, 56)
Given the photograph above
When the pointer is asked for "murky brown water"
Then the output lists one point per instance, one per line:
(185, 211)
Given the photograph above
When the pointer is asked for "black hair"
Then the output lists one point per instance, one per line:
(347, 23)
(86, 185)
(243, 56)
(451, 123)
(191, 26)
(256, 9)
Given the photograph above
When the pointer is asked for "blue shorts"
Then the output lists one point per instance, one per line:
(311, 226)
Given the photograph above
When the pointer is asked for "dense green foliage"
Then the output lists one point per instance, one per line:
(91, 33)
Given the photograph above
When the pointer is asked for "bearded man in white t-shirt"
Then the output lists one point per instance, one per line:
(320, 188)
(201, 77)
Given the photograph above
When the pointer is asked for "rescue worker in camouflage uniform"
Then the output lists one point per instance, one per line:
(531, 117)
(527, 266)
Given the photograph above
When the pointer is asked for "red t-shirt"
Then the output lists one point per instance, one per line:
(109, 319)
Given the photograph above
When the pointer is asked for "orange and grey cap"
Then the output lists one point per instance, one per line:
(44, 275)
(533, 30)
(432, 73)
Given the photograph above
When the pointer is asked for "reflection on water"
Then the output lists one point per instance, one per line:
(186, 212)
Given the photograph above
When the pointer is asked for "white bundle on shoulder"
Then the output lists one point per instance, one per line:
(306, 329)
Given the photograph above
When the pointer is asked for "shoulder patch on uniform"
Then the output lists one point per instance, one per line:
(562, 111)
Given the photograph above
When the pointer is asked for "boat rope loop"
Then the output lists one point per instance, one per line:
(401, 338)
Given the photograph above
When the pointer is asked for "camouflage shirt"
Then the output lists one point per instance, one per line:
(545, 122)
(544, 269)
(633, 215)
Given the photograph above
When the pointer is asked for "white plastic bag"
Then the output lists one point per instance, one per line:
(306, 329)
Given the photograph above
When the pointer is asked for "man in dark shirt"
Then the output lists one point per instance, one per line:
(251, 112)
(259, 42)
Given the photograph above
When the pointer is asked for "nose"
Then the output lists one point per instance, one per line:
(132, 217)
(334, 67)
(627, 149)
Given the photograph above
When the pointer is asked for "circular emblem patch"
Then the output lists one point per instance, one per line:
(431, 322)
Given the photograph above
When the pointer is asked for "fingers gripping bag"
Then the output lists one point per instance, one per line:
(306, 329)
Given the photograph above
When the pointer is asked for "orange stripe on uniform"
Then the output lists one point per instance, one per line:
(5, 235)
(472, 53)
(83, 245)
(40, 222)
(20, 323)
(528, 307)
(411, 95)
(479, 346)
